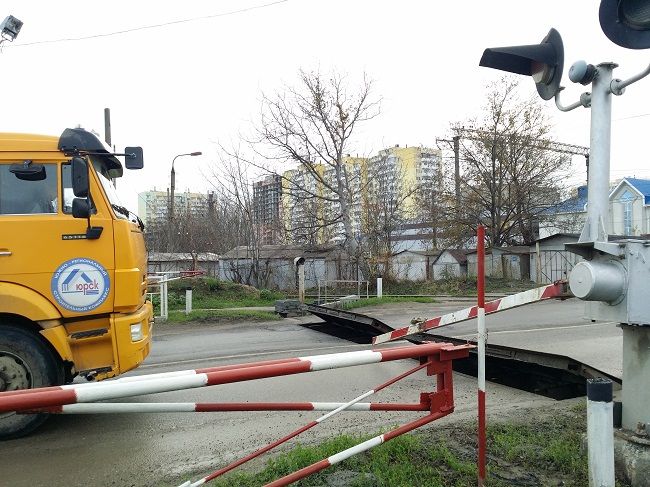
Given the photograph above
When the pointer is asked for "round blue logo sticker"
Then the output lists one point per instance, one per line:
(80, 285)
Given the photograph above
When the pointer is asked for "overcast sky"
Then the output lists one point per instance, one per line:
(181, 87)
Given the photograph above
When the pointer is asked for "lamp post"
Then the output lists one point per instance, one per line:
(172, 186)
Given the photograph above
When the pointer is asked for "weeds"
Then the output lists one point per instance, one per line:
(216, 316)
(389, 299)
(535, 451)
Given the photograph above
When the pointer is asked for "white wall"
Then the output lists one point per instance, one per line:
(446, 266)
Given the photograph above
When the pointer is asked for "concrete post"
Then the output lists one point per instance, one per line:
(600, 433)
(188, 300)
(299, 262)
(380, 290)
(301, 283)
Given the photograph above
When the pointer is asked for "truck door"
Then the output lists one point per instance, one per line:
(43, 247)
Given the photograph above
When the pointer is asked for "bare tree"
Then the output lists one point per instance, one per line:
(214, 227)
(312, 125)
(384, 210)
(509, 175)
(233, 182)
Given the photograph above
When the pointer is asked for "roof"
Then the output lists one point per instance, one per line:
(284, 252)
(460, 255)
(557, 235)
(181, 256)
(571, 205)
(428, 253)
(641, 185)
(13, 142)
(610, 238)
(514, 250)
(578, 203)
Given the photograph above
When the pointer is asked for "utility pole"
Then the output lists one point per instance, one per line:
(457, 169)
(107, 126)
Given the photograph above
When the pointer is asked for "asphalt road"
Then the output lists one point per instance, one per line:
(166, 449)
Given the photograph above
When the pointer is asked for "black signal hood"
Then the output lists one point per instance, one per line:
(543, 61)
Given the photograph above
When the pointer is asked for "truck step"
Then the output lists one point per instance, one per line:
(80, 335)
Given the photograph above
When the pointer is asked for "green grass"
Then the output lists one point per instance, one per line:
(390, 464)
(536, 449)
(221, 316)
(209, 293)
(385, 300)
(553, 444)
(455, 286)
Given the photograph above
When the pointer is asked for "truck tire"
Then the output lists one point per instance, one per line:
(25, 362)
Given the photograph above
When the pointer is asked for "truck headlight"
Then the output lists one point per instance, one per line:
(136, 332)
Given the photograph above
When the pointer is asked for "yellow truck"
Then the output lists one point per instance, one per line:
(73, 267)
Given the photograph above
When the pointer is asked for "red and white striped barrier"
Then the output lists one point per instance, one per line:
(425, 403)
(221, 407)
(31, 399)
(555, 290)
(436, 358)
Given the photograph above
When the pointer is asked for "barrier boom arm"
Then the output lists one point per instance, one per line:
(556, 290)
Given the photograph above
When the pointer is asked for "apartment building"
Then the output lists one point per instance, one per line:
(392, 177)
(153, 206)
(267, 196)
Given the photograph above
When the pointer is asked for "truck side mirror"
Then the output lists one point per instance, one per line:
(133, 158)
(80, 182)
(80, 208)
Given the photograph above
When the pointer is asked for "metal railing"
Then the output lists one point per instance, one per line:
(324, 295)
(159, 280)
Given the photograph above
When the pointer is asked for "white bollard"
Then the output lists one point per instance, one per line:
(380, 290)
(600, 433)
(163, 299)
(188, 300)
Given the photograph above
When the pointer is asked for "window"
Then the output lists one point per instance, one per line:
(628, 200)
(19, 197)
(66, 189)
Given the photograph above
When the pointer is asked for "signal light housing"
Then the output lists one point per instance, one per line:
(543, 61)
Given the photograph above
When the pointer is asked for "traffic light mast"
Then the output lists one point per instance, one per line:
(614, 278)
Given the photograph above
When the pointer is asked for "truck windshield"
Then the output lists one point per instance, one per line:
(109, 189)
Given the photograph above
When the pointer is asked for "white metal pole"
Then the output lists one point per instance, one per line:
(600, 433)
(481, 339)
(595, 229)
(380, 288)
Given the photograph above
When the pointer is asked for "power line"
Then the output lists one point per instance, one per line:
(152, 26)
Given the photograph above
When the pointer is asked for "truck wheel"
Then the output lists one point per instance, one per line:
(25, 362)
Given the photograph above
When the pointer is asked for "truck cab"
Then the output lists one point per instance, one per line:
(73, 267)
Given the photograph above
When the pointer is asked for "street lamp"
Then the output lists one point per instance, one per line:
(173, 182)
(170, 217)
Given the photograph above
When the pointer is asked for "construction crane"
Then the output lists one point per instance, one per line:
(544, 144)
